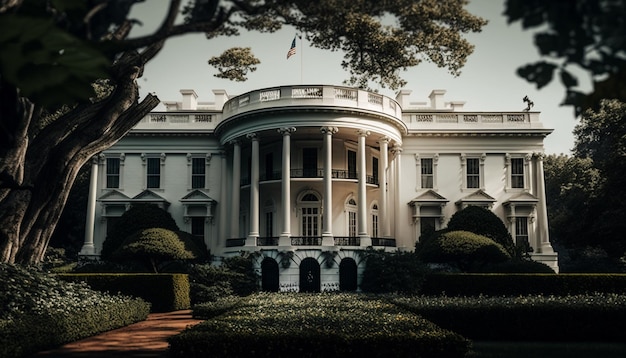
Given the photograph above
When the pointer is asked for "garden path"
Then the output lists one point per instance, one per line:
(146, 339)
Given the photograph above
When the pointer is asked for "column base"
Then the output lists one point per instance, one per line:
(366, 241)
(328, 239)
(284, 240)
(251, 241)
(88, 250)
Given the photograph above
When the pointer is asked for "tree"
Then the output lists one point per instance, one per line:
(601, 137)
(587, 35)
(571, 188)
(51, 122)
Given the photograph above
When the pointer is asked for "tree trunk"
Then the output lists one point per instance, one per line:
(37, 171)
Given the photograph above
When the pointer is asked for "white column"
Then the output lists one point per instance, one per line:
(362, 192)
(234, 212)
(327, 233)
(223, 207)
(285, 236)
(383, 163)
(397, 152)
(543, 237)
(88, 246)
(254, 191)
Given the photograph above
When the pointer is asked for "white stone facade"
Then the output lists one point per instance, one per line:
(307, 177)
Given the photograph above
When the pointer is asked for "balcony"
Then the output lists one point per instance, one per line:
(312, 173)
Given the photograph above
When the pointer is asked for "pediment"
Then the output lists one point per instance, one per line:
(149, 196)
(114, 196)
(197, 196)
(429, 196)
(524, 198)
(478, 196)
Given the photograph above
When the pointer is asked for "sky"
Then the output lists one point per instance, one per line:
(488, 81)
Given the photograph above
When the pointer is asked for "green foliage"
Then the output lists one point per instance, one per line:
(166, 292)
(590, 317)
(517, 265)
(317, 325)
(463, 249)
(208, 310)
(154, 246)
(580, 34)
(138, 217)
(392, 272)
(40, 311)
(483, 222)
(235, 63)
(209, 283)
(520, 284)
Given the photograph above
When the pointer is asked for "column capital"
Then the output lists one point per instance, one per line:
(539, 155)
(329, 130)
(286, 130)
(363, 132)
(384, 139)
(252, 136)
(396, 149)
(234, 142)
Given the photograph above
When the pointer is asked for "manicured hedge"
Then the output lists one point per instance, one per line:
(456, 284)
(166, 292)
(317, 325)
(593, 317)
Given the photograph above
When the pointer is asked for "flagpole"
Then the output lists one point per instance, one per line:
(301, 59)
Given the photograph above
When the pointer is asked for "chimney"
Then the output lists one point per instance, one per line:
(436, 99)
(403, 98)
(220, 98)
(190, 99)
(456, 105)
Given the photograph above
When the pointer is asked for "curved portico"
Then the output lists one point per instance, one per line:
(329, 143)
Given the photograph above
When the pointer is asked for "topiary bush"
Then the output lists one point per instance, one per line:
(483, 222)
(392, 272)
(138, 217)
(463, 249)
(153, 247)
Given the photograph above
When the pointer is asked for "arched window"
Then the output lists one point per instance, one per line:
(351, 212)
(347, 274)
(309, 207)
(269, 275)
(374, 213)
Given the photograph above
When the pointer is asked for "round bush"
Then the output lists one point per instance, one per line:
(466, 250)
(153, 246)
(138, 217)
(483, 222)
(517, 266)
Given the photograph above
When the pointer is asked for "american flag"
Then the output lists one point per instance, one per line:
(292, 49)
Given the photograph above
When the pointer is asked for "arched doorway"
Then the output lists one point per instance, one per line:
(269, 275)
(309, 275)
(347, 274)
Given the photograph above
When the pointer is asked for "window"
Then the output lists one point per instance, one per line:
(310, 215)
(375, 170)
(309, 162)
(428, 178)
(517, 173)
(269, 224)
(352, 211)
(197, 227)
(198, 173)
(351, 164)
(521, 232)
(473, 172)
(375, 220)
(153, 178)
(113, 172)
(427, 225)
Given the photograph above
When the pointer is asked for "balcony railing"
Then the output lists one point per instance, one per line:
(235, 242)
(312, 173)
(306, 240)
(347, 241)
(267, 241)
(386, 242)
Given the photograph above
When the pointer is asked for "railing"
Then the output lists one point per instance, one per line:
(235, 242)
(470, 118)
(311, 173)
(306, 240)
(379, 241)
(347, 241)
(267, 241)
(327, 95)
(176, 118)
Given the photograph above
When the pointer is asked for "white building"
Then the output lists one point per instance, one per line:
(307, 177)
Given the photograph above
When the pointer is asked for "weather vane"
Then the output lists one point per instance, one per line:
(529, 103)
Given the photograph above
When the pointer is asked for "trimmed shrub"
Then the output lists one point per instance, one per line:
(153, 247)
(516, 265)
(42, 312)
(138, 217)
(317, 325)
(466, 250)
(166, 292)
(392, 272)
(483, 222)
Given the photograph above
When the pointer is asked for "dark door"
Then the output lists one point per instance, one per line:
(309, 275)
(269, 275)
(347, 275)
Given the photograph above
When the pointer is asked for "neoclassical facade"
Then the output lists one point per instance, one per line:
(308, 177)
